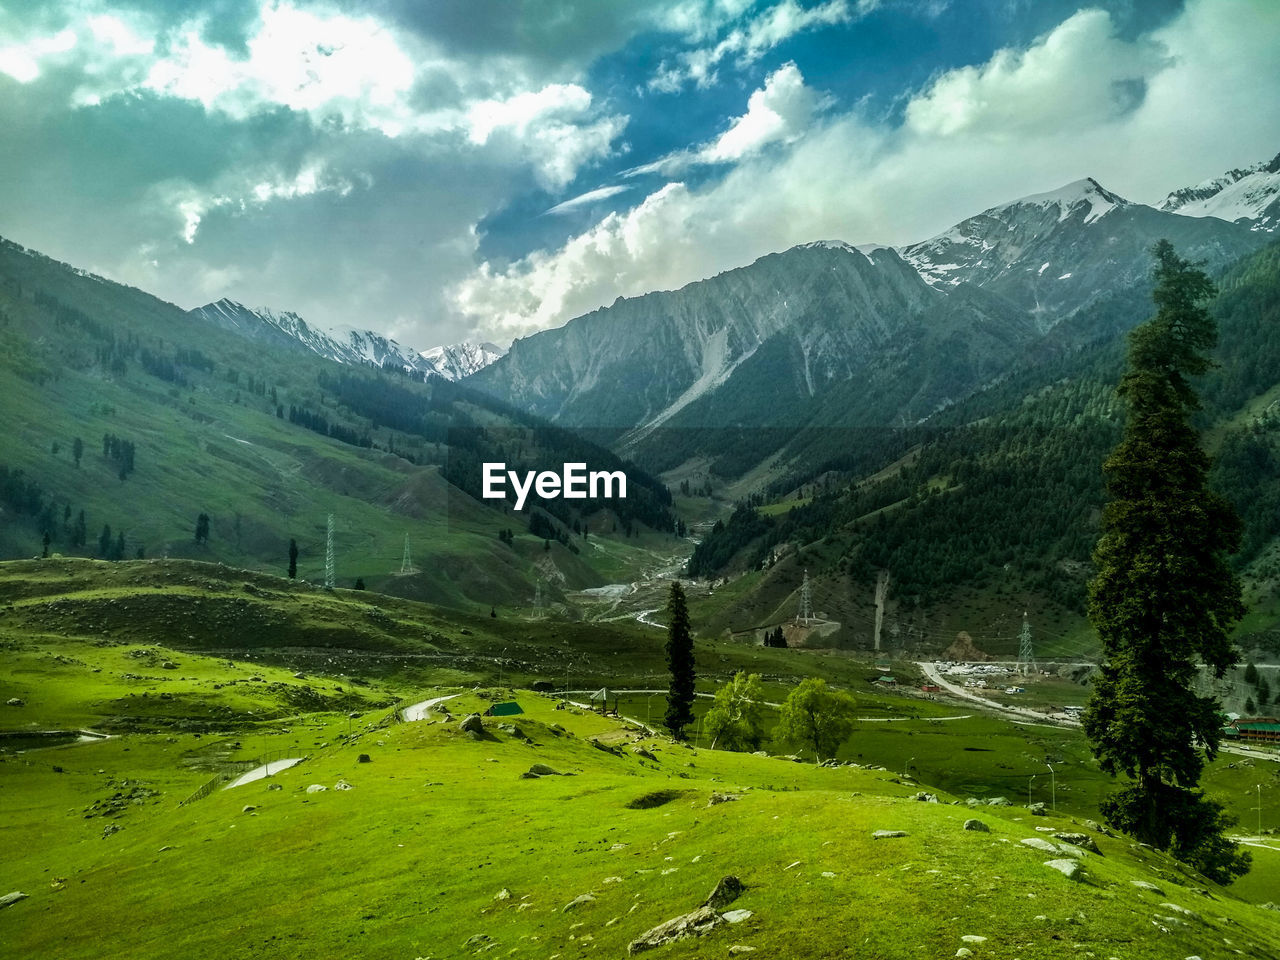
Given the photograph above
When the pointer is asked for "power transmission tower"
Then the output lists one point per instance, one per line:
(1026, 657)
(805, 613)
(882, 594)
(328, 556)
(406, 565)
(539, 602)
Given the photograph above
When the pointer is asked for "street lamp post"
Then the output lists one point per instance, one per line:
(501, 664)
(1053, 784)
(906, 766)
(1029, 783)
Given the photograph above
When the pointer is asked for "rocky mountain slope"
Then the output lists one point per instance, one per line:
(347, 344)
(1250, 196)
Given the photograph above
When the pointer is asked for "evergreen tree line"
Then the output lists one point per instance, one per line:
(26, 498)
(318, 423)
(120, 452)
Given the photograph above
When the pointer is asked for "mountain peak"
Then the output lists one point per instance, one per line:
(1068, 198)
(1251, 194)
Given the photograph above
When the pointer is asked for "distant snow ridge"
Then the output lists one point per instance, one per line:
(1251, 195)
(981, 247)
(347, 344)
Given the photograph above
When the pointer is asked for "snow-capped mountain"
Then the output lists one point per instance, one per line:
(346, 344)
(1251, 195)
(827, 334)
(461, 359)
(1055, 253)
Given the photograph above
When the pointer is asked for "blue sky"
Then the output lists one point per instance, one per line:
(486, 168)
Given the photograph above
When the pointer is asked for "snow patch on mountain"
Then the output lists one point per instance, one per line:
(1251, 194)
(347, 345)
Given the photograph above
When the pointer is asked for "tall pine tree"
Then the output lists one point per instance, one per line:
(293, 559)
(680, 663)
(1165, 597)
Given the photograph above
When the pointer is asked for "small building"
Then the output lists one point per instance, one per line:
(1257, 729)
(930, 688)
(885, 681)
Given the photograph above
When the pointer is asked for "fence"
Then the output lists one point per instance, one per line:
(205, 790)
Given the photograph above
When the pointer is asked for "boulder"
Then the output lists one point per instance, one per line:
(999, 802)
(16, 702)
(1070, 869)
(472, 724)
(716, 798)
(726, 890)
(736, 916)
(317, 788)
(364, 758)
(579, 901)
(1036, 809)
(540, 770)
(887, 834)
(343, 785)
(695, 924)
(1149, 887)
(977, 825)
(248, 808)
(925, 797)
(9, 899)
(1082, 840)
(1040, 844)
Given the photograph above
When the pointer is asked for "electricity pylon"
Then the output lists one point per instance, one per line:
(1026, 657)
(805, 613)
(882, 593)
(406, 565)
(328, 555)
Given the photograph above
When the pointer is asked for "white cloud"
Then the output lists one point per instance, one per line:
(347, 72)
(747, 43)
(1143, 116)
(588, 198)
(779, 112)
(1079, 74)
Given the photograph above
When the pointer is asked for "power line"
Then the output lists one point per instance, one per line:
(328, 555)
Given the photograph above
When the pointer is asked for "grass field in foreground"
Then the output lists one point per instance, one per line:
(412, 861)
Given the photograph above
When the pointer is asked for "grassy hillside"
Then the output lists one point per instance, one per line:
(218, 425)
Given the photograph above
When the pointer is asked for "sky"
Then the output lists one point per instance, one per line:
(484, 169)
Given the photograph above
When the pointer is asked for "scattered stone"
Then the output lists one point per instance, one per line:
(977, 825)
(1068, 868)
(169, 665)
(16, 702)
(110, 829)
(1149, 887)
(999, 802)
(165, 847)
(736, 916)
(695, 924)
(716, 798)
(641, 752)
(828, 875)
(739, 948)
(248, 808)
(472, 724)
(964, 952)
(343, 785)
(1262, 906)
(274, 786)
(1098, 828)
(1036, 809)
(1040, 844)
(727, 890)
(364, 758)
(9, 899)
(540, 770)
(972, 938)
(579, 901)
(503, 894)
(925, 797)
(317, 788)
(887, 834)
(478, 939)
(1181, 910)
(1078, 840)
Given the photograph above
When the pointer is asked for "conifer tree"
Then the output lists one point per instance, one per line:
(1165, 597)
(293, 559)
(680, 663)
